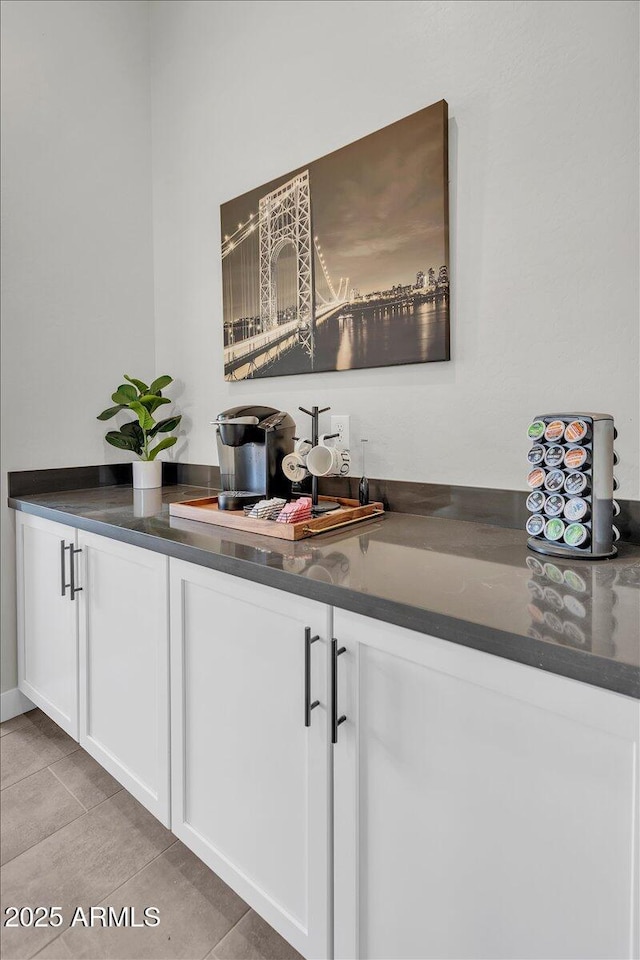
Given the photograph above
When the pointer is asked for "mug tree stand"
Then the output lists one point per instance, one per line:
(325, 506)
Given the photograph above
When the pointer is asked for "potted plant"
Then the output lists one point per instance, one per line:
(137, 435)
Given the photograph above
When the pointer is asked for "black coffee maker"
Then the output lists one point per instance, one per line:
(252, 441)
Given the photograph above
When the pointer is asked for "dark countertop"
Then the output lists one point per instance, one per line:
(471, 583)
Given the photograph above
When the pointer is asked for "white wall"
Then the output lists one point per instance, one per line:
(77, 291)
(544, 206)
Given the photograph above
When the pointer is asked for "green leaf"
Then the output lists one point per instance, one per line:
(152, 400)
(125, 394)
(160, 383)
(142, 387)
(164, 426)
(145, 419)
(117, 439)
(167, 442)
(110, 412)
(134, 430)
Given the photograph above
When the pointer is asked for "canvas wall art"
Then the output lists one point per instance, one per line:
(343, 263)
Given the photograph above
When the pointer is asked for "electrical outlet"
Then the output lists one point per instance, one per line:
(340, 425)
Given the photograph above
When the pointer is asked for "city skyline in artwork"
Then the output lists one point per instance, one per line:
(342, 263)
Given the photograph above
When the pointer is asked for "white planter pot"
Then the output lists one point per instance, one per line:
(147, 474)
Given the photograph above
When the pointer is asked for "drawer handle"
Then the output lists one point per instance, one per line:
(335, 719)
(308, 706)
(63, 572)
(72, 551)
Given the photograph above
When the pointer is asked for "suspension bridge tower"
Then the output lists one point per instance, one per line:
(285, 219)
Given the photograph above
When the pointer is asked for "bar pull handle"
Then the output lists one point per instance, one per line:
(72, 563)
(308, 706)
(335, 719)
(63, 572)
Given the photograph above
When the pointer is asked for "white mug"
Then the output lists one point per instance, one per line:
(326, 461)
(294, 467)
(302, 447)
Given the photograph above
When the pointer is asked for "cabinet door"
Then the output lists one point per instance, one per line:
(124, 666)
(250, 780)
(47, 619)
(482, 808)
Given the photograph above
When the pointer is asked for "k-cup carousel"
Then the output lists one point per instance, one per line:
(571, 479)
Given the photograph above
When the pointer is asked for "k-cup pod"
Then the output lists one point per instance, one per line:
(554, 505)
(578, 431)
(554, 456)
(577, 458)
(574, 606)
(575, 581)
(536, 478)
(554, 431)
(535, 501)
(536, 430)
(576, 535)
(554, 481)
(616, 508)
(576, 483)
(535, 525)
(553, 598)
(535, 613)
(573, 633)
(553, 573)
(536, 590)
(576, 509)
(554, 529)
(535, 566)
(552, 621)
(616, 533)
(535, 455)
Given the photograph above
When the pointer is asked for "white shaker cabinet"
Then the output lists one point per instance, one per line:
(47, 618)
(251, 784)
(124, 666)
(482, 808)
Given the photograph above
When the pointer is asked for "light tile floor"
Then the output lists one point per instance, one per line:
(71, 836)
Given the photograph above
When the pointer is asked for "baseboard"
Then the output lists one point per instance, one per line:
(13, 703)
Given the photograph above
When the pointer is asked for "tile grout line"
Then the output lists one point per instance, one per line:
(230, 930)
(40, 769)
(64, 825)
(68, 789)
(115, 889)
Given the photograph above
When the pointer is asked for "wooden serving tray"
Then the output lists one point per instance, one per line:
(206, 510)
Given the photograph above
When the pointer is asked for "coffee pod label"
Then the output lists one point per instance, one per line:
(576, 431)
(554, 505)
(552, 572)
(574, 606)
(574, 633)
(535, 525)
(554, 529)
(554, 481)
(575, 458)
(576, 535)
(536, 455)
(536, 430)
(576, 509)
(575, 581)
(554, 456)
(575, 483)
(535, 501)
(536, 478)
(554, 431)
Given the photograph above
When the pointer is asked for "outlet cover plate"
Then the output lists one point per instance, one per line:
(340, 423)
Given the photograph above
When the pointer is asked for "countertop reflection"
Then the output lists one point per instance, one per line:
(470, 583)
